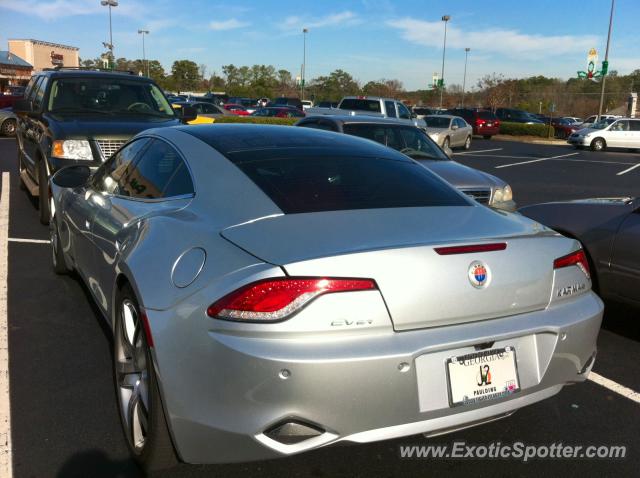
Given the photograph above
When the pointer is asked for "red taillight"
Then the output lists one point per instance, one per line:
(496, 123)
(275, 299)
(576, 258)
(480, 122)
(467, 249)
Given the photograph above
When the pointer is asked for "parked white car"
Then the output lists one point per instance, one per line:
(609, 133)
(307, 104)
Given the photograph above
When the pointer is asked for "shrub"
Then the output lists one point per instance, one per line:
(256, 120)
(522, 129)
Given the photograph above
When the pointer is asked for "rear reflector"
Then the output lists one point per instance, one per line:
(467, 249)
(576, 258)
(275, 299)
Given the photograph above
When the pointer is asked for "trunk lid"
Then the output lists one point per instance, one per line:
(395, 247)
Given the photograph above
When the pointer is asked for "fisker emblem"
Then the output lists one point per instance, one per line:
(479, 275)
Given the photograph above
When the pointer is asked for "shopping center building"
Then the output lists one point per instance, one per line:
(14, 71)
(42, 54)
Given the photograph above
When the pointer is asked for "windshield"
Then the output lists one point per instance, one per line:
(108, 96)
(603, 123)
(437, 122)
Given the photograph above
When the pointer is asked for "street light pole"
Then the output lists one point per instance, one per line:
(606, 59)
(445, 19)
(464, 81)
(145, 63)
(110, 3)
(304, 57)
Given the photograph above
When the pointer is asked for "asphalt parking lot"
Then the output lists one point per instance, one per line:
(63, 412)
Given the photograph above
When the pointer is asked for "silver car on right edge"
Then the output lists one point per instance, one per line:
(274, 290)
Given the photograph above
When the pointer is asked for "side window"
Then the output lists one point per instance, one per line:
(620, 126)
(34, 89)
(29, 89)
(403, 112)
(461, 123)
(110, 178)
(159, 173)
(391, 109)
(634, 125)
(208, 109)
(39, 93)
(394, 139)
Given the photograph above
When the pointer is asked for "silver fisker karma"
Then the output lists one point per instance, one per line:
(273, 290)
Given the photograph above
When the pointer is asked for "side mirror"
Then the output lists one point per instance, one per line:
(187, 113)
(414, 116)
(454, 127)
(72, 176)
(448, 151)
(23, 106)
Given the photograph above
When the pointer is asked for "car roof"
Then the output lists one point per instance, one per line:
(78, 73)
(284, 141)
(442, 116)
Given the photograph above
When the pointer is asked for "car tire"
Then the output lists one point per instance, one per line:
(57, 255)
(598, 144)
(8, 127)
(144, 424)
(446, 143)
(467, 143)
(43, 190)
(486, 136)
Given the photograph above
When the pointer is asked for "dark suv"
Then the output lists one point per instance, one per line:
(74, 116)
(484, 122)
(517, 116)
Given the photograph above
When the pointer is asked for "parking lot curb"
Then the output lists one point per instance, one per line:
(530, 140)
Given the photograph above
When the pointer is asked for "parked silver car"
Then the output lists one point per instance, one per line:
(609, 133)
(274, 290)
(449, 131)
(415, 143)
(8, 121)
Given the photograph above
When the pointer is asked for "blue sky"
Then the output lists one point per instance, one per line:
(371, 39)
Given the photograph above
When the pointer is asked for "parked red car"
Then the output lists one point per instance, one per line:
(236, 109)
(564, 127)
(484, 122)
(279, 112)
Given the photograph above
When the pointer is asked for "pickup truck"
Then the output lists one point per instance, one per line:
(371, 106)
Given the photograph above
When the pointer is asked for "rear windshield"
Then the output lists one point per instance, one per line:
(486, 115)
(332, 183)
(435, 122)
(363, 105)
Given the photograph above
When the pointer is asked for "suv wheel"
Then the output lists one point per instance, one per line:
(598, 144)
(43, 198)
(138, 395)
(8, 127)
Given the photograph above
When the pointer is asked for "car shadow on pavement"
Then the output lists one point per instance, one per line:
(622, 319)
(96, 464)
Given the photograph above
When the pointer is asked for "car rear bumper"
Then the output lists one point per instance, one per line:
(222, 391)
(486, 131)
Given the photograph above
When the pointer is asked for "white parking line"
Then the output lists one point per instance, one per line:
(481, 151)
(29, 241)
(5, 407)
(536, 160)
(627, 170)
(615, 387)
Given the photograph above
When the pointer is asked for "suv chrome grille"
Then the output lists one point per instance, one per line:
(483, 196)
(109, 146)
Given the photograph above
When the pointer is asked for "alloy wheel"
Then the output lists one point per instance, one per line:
(132, 375)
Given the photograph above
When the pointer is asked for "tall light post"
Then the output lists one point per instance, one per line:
(606, 59)
(145, 63)
(110, 3)
(304, 57)
(445, 19)
(464, 81)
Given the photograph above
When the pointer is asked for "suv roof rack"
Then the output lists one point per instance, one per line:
(85, 68)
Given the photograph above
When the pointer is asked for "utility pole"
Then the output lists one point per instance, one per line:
(464, 81)
(110, 3)
(445, 19)
(304, 57)
(605, 64)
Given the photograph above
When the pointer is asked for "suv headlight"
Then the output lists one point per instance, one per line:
(72, 149)
(502, 194)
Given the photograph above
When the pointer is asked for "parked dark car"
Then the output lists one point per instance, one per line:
(279, 112)
(74, 116)
(8, 99)
(282, 101)
(516, 116)
(609, 229)
(327, 104)
(483, 121)
(416, 143)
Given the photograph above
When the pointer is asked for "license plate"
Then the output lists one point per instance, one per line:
(489, 125)
(482, 376)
